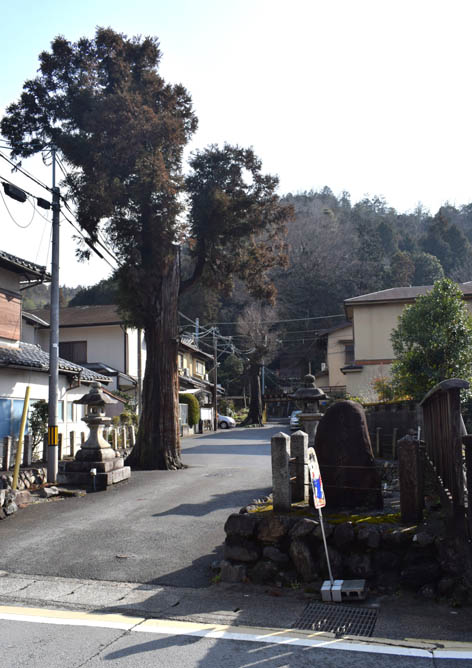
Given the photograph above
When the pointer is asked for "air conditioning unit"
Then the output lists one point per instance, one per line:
(186, 372)
(324, 366)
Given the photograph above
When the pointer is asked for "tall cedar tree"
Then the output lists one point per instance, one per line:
(122, 130)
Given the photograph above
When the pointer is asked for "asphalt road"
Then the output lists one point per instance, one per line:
(161, 527)
(56, 645)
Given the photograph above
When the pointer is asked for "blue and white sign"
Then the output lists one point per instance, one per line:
(315, 478)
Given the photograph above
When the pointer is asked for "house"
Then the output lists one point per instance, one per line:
(339, 353)
(373, 317)
(192, 365)
(23, 362)
(97, 338)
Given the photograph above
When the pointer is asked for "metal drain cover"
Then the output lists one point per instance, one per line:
(342, 620)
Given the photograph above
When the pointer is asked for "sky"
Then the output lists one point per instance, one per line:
(365, 96)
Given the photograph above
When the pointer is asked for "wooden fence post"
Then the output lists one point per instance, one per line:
(59, 449)
(394, 442)
(6, 453)
(44, 455)
(27, 450)
(377, 440)
(72, 443)
(467, 441)
(411, 480)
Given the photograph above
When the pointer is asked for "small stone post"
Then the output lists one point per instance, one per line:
(114, 438)
(6, 453)
(125, 436)
(280, 453)
(132, 435)
(72, 443)
(27, 450)
(411, 480)
(299, 452)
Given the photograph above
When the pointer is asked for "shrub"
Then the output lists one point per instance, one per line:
(193, 408)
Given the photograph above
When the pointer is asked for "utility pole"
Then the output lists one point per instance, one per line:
(53, 442)
(215, 406)
(140, 374)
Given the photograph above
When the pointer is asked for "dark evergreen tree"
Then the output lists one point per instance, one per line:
(122, 130)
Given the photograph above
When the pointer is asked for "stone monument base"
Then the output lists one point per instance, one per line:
(109, 472)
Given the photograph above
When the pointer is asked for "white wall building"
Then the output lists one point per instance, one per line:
(24, 363)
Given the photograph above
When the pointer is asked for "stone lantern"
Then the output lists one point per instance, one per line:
(307, 398)
(95, 448)
(96, 462)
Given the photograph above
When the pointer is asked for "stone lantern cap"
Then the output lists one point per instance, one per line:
(309, 391)
(95, 397)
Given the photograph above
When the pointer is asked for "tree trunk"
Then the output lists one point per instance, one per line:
(158, 441)
(255, 403)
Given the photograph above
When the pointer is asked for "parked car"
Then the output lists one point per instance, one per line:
(225, 422)
(295, 420)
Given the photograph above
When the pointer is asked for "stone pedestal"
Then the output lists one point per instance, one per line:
(310, 425)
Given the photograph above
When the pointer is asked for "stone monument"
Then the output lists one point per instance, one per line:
(342, 444)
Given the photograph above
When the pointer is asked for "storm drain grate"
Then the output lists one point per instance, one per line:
(342, 620)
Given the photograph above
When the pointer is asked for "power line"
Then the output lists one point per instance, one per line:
(318, 317)
(25, 173)
(3, 178)
(97, 240)
(23, 227)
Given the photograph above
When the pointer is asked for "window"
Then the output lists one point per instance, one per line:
(70, 411)
(180, 361)
(199, 368)
(73, 351)
(348, 353)
(11, 412)
(60, 411)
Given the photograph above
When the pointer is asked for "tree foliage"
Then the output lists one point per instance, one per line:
(38, 422)
(433, 341)
(122, 130)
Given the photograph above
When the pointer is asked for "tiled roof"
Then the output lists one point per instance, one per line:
(82, 316)
(19, 266)
(401, 294)
(188, 342)
(31, 356)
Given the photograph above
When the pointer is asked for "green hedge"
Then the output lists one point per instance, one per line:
(193, 408)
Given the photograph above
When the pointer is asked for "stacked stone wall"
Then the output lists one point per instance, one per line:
(287, 550)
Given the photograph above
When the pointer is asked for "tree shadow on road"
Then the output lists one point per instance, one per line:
(236, 499)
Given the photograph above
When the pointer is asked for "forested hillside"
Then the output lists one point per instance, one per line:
(336, 250)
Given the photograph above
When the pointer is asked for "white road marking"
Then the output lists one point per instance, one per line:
(224, 632)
